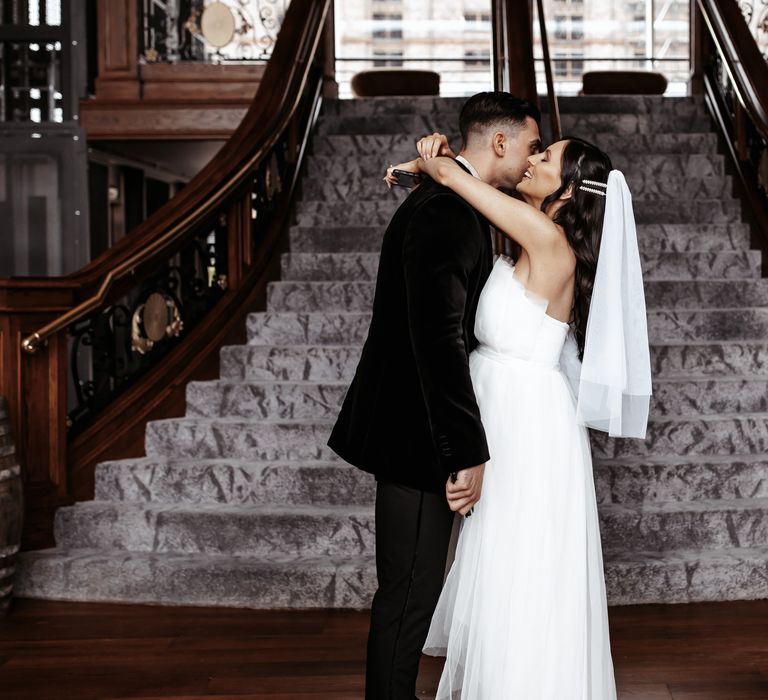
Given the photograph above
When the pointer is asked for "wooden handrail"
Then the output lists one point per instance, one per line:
(741, 56)
(260, 128)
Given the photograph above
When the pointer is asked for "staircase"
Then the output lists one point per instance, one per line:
(240, 502)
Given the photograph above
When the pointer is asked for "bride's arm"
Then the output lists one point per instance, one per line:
(428, 147)
(523, 223)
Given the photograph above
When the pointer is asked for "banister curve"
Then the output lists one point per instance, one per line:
(269, 114)
(745, 64)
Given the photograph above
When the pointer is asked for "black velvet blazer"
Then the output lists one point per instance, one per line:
(410, 415)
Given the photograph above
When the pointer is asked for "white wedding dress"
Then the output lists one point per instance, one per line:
(523, 613)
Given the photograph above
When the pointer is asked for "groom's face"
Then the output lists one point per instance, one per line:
(520, 144)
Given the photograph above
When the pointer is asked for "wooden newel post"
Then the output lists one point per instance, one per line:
(35, 387)
(11, 507)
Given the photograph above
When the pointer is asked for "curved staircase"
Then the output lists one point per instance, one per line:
(241, 503)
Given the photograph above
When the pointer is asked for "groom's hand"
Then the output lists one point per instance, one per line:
(465, 492)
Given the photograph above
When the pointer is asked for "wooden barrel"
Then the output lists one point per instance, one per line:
(11, 508)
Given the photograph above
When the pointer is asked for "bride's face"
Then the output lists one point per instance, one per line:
(543, 175)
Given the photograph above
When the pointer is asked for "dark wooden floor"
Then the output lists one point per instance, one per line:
(53, 651)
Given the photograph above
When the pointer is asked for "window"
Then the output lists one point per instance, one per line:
(477, 17)
(561, 27)
(387, 58)
(561, 66)
(390, 25)
(577, 64)
(577, 27)
(477, 57)
(569, 27)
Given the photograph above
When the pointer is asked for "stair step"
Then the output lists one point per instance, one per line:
(589, 104)
(666, 171)
(689, 524)
(378, 106)
(730, 268)
(584, 124)
(247, 482)
(322, 401)
(337, 185)
(675, 576)
(338, 363)
(652, 238)
(687, 575)
(289, 531)
(233, 482)
(299, 295)
(681, 479)
(302, 440)
(379, 212)
(694, 435)
(168, 578)
(664, 327)
(280, 532)
(202, 438)
(394, 147)
(265, 400)
(298, 362)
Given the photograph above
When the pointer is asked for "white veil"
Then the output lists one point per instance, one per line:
(613, 383)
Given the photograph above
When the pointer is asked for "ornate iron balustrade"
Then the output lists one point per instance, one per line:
(175, 30)
(114, 346)
(135, 327)
(756, 16)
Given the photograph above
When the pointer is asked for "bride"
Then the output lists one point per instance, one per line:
(563, 345)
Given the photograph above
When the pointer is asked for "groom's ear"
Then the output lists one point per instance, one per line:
(500, 144)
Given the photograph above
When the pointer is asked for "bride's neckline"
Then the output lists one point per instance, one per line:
(532, 295)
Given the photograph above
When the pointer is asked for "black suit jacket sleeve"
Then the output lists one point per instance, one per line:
(443, 243)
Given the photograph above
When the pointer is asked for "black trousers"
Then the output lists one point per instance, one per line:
(413, 531)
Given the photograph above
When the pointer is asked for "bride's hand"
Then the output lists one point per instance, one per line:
(440, 169)
(411, 165)
(434, 145)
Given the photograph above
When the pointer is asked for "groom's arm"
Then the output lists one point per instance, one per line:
(442, 245)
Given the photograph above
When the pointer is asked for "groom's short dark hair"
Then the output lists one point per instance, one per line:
(494, 109)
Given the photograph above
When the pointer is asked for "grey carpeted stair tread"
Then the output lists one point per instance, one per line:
(652, 238)
(196, 579)
(322, 400)
(664, 326)
(691, 360)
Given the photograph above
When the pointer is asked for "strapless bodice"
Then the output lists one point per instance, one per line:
(512, 323)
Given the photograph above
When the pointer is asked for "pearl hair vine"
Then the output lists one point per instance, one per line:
(592, 189)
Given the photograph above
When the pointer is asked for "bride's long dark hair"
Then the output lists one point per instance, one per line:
(581, 217)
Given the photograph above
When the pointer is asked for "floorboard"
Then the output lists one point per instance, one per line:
(85, 651)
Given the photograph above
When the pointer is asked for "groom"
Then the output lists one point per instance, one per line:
(410, 415)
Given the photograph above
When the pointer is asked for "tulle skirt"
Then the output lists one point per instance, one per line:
(523, 613)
